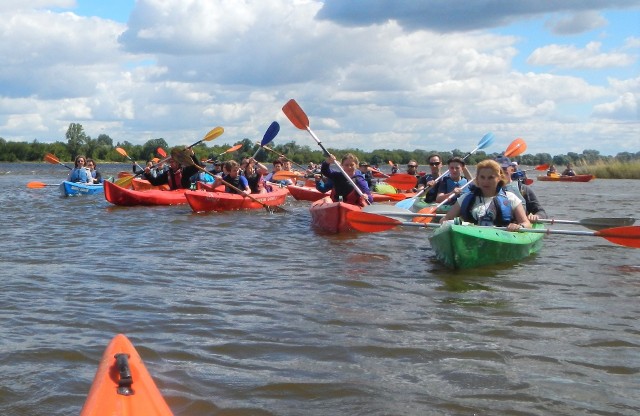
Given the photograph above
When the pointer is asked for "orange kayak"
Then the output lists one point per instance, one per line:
(123, 386)
(330, 216)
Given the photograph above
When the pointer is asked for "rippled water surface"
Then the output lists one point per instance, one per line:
(251, 313)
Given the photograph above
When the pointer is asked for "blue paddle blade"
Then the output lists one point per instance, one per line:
(406, 203)
(486, 140)
(270, 134)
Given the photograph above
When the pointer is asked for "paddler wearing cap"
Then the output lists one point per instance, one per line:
(368, 175)
(529, 198)
(177, 176)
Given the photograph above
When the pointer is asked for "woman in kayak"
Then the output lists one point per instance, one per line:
(80, 172)
(489, 204)
(254, 171)
(342, 188)
(96, 177)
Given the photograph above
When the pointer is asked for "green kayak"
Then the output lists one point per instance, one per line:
(466, 246)
(420, 204)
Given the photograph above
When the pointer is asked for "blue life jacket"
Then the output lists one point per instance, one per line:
(201, 177)
(79, 175)
(448, 185)
(500, 202)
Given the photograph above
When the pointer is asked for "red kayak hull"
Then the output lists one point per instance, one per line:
(330, 216)
(103, 398)
(144, 185)
(577, 178)
(201, 201)
(308, 193)
(129, 197)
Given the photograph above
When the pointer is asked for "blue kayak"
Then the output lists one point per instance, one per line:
(76, 188)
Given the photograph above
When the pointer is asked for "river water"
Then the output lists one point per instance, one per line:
(251, 313)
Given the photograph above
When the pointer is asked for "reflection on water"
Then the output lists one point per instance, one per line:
(250, 313)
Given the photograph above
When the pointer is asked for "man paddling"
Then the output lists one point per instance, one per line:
(529, 199)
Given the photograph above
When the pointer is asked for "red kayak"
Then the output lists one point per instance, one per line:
(576, 178)
(330, 216)
(144, 185)
(201, 201)
(122, 385)
(308, 193)
(129, 197)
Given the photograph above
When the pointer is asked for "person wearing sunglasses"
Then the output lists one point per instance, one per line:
(529, 199)
(429, 180)
(80, 172)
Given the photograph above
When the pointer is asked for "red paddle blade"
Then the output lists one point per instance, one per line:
(402, 181)
(36, 185)
(542, 167)
(51, 159)
(234, 148)
(427, 210)
(516, 148)
(624, 236)
(396, 197)
(370, 223)
(295, 114)
(161, 152)
(528, 181)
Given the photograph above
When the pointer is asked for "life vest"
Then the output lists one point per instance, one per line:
(79, 175)
(237, 182)
(500, 204)
(202, 177)
(346, 191)
(514, 188)
(174, 179)
(448, 185)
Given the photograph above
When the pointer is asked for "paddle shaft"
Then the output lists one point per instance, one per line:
(284, 157)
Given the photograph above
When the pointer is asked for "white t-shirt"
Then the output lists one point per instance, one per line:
(482, 209)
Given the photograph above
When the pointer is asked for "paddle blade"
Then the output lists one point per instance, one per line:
(233, 148)
(600, 223)
(486, 140)
(161, 152)
(295, 114)
(270, 134)
(528, 181)
(516, 148)
(370, 223)
(396, 197)
(122, 151)
(213, 134)
(426, 220)
(402, 181)
(51, 159)
(125, 181)
(36, 185)
(285, 174)
(542, 167)
(624, 236)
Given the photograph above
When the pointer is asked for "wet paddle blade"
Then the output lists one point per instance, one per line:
(295, 114)
(370, 223)
(270, 134)
(426, 220)
(516, 148)
(402, 181)
(624, 236)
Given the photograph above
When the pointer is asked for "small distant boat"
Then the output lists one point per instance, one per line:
(76, 188)
(559, 178)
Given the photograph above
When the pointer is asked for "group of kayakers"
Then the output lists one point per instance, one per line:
(552, 171)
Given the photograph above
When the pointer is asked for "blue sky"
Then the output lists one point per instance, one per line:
(408, 74)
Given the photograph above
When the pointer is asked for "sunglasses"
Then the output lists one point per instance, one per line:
(412, 166)
(435, 163)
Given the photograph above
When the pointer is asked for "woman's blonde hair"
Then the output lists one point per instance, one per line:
(494, 167)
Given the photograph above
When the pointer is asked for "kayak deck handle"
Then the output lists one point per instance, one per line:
(125, 381)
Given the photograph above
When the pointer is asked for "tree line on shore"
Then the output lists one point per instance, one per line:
(102, 149)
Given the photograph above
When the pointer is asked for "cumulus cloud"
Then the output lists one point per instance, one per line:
(623, 108)
(569, 56)
(576, 23)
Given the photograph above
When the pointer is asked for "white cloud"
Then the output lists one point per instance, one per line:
(577, 23)
(568, 56)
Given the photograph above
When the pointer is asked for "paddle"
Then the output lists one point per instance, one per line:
(285, 158)
(402, 181)
(55, 161)
(364, 221)
(269, 135)
(394, 211)
(39, 185)
(212, 134)
(484, 142)
(299, 119)
(283, 175)
(515, 148)
(229, 150)
(161, 152)
(125, 154)
(185, 160)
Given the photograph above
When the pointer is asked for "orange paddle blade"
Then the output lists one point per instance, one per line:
(295, 114)
(286, 174)
(542, 167)
(51, 159)
(36, 185)
(402, 181)
(396, 197)
(233, 148)
(161, 152)
(122, 151)
(516, 148)
(427, 210)
(624, 236)
(370, 223)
